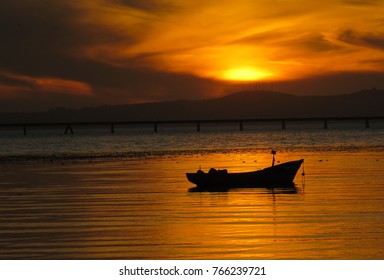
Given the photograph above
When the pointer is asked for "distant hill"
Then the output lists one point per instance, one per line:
(240, 105)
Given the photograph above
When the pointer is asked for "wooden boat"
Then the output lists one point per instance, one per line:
(279, 175)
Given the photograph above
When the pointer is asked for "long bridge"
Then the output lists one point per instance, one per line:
(68, 126)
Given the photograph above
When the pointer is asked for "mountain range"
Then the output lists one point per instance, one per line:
(240, 105)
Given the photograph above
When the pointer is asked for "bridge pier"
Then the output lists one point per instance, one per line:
(283, 125)
(367, 123)
(241, 126)
(25, 129)
(68, 128)
(112, 128)
(155, 127)
(325, 124)
(198, 126)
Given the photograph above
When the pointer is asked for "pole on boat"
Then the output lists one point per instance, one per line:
(273, 157)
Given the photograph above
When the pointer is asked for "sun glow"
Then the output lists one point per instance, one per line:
(244, 74)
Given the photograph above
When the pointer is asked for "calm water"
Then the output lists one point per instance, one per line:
(94, 195)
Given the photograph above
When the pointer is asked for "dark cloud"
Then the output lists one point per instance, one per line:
(41, 39)
(309, 42)
(361, 2)
(377, 63)
(34, 34)
(114, 85)
(148, 5)
(10, 81)
(314, 42)
(371, 40)
(140, 83)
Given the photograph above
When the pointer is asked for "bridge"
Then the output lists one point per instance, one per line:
(69, 126)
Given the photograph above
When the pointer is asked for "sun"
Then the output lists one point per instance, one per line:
(244, 74)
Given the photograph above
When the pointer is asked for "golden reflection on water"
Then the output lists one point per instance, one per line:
(141, 209)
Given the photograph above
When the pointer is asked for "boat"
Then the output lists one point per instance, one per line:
(279, 175)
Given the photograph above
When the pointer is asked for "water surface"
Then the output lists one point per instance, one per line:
(125, 196)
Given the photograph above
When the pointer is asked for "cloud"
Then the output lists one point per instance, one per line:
(362, 2)
(39, 39)
(312, 42)
(148, 5)
(45, 49)
(43, 84)
(365, 39)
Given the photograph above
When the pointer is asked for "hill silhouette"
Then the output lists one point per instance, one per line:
(240, 105)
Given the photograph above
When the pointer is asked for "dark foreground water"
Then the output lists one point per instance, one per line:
(125, 196)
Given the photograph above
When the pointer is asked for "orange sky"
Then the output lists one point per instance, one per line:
(244, 39)
(90, 52)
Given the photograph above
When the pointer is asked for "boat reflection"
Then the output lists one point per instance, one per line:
(274, 189)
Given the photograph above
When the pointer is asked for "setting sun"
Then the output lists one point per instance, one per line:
(244, 74)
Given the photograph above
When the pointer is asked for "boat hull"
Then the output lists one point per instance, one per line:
(278, 175)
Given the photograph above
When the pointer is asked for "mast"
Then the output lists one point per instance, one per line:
(273, 152)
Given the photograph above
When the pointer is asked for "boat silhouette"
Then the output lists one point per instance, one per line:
(279, 175)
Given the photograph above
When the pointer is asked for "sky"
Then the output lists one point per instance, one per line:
(66, 53)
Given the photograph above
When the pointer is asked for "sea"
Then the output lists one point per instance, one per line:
(99, 195)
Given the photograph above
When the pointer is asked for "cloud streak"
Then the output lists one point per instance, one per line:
(367, 39)
(45, 84)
